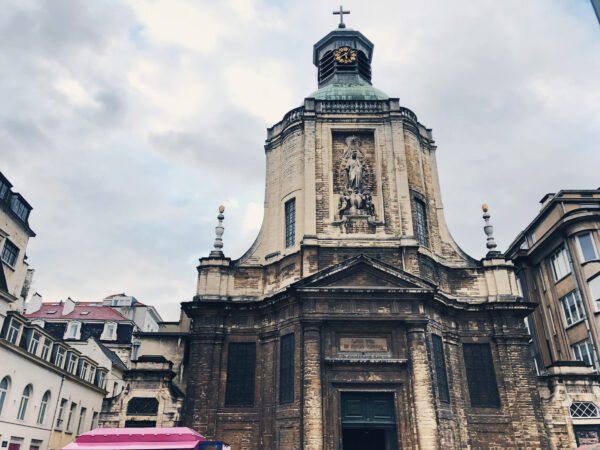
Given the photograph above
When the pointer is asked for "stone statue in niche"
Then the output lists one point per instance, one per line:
(356, 199)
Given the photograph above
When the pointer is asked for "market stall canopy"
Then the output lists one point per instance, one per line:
(138, 439)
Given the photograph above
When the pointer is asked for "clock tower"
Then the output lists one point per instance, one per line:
(355, 320)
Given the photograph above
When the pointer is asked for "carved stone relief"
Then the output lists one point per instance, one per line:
(355, 182)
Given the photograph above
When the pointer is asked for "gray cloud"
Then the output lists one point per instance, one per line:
(125, 137)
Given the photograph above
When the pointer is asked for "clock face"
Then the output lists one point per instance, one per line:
(345, 55)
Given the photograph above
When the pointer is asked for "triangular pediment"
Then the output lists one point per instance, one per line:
(363, 272)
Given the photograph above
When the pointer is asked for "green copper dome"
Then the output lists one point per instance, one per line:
(336, 91)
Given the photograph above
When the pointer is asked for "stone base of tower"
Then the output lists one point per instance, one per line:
(368, 339)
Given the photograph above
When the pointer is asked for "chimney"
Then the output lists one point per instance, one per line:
(544, 201)
(34, 304)
(68, 307)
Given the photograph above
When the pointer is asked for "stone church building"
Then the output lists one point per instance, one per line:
(355, 321)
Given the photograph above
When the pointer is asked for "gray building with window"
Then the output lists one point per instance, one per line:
(15, 274)
(557, 257)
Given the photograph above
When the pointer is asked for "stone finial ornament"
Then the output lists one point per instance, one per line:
(489, 231)
(219, 230)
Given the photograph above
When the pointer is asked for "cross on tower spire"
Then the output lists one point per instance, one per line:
(341, 13)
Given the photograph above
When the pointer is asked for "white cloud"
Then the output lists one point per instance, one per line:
(126, 129)
(197, 26)
(264, 88)
(74, 92)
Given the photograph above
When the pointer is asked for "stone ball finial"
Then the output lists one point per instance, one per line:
(219, 230)
(489, 232)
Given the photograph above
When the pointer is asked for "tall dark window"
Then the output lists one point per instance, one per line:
(421, 216)
(10, 253)
(290, 222)
(241, 363)
(286, 369)
(440, 368)
(481, 376)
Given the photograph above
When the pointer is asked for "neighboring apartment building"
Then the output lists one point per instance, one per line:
(558, 262)
(155, 387)
(107, 359)
(557, 257)
(79, 321)
(15, 274)
(49, 391)
(145, 317)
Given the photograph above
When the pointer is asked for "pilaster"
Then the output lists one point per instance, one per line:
(422, 390)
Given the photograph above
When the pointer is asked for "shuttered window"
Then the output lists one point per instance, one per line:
(440, 368)
(286, 369)
(241, 364)
(481, 376)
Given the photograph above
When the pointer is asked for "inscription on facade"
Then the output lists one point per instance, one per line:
(363, 345)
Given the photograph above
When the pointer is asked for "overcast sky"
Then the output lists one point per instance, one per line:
(126, 124)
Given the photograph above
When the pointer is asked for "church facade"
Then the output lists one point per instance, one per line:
(355, 320)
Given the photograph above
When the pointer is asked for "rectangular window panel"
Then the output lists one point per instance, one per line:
(594, 285)
(241, 364)
(481, 376)
(46, 349)
(34, 343)
(572, 307)
(586, 245)
(13, 332)
(551, 320)
(60, 357)
(560, 264)
(290, 223)
(421, 214)
(286, 369)
(440, 368)
(541, 275)
(583, 351)
(10, 252)
(19, 208)
(3, 189)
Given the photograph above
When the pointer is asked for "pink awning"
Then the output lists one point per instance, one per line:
(138, 439)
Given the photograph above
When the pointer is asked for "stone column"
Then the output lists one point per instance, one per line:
(312, 408)
(422, 389)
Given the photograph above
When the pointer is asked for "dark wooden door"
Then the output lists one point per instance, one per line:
(366, 409)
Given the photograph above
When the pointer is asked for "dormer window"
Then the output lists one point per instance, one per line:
(73, 330)
(72, 364)
(14, 329)
(84, 370)
(20, 207)
(34, 343)
(46, 349)
(110, 331)
(59, 359)
(4, 187)
(92, 375)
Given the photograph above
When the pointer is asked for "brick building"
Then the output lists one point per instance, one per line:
(355, 320)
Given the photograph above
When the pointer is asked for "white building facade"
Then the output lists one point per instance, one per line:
(49, 391)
